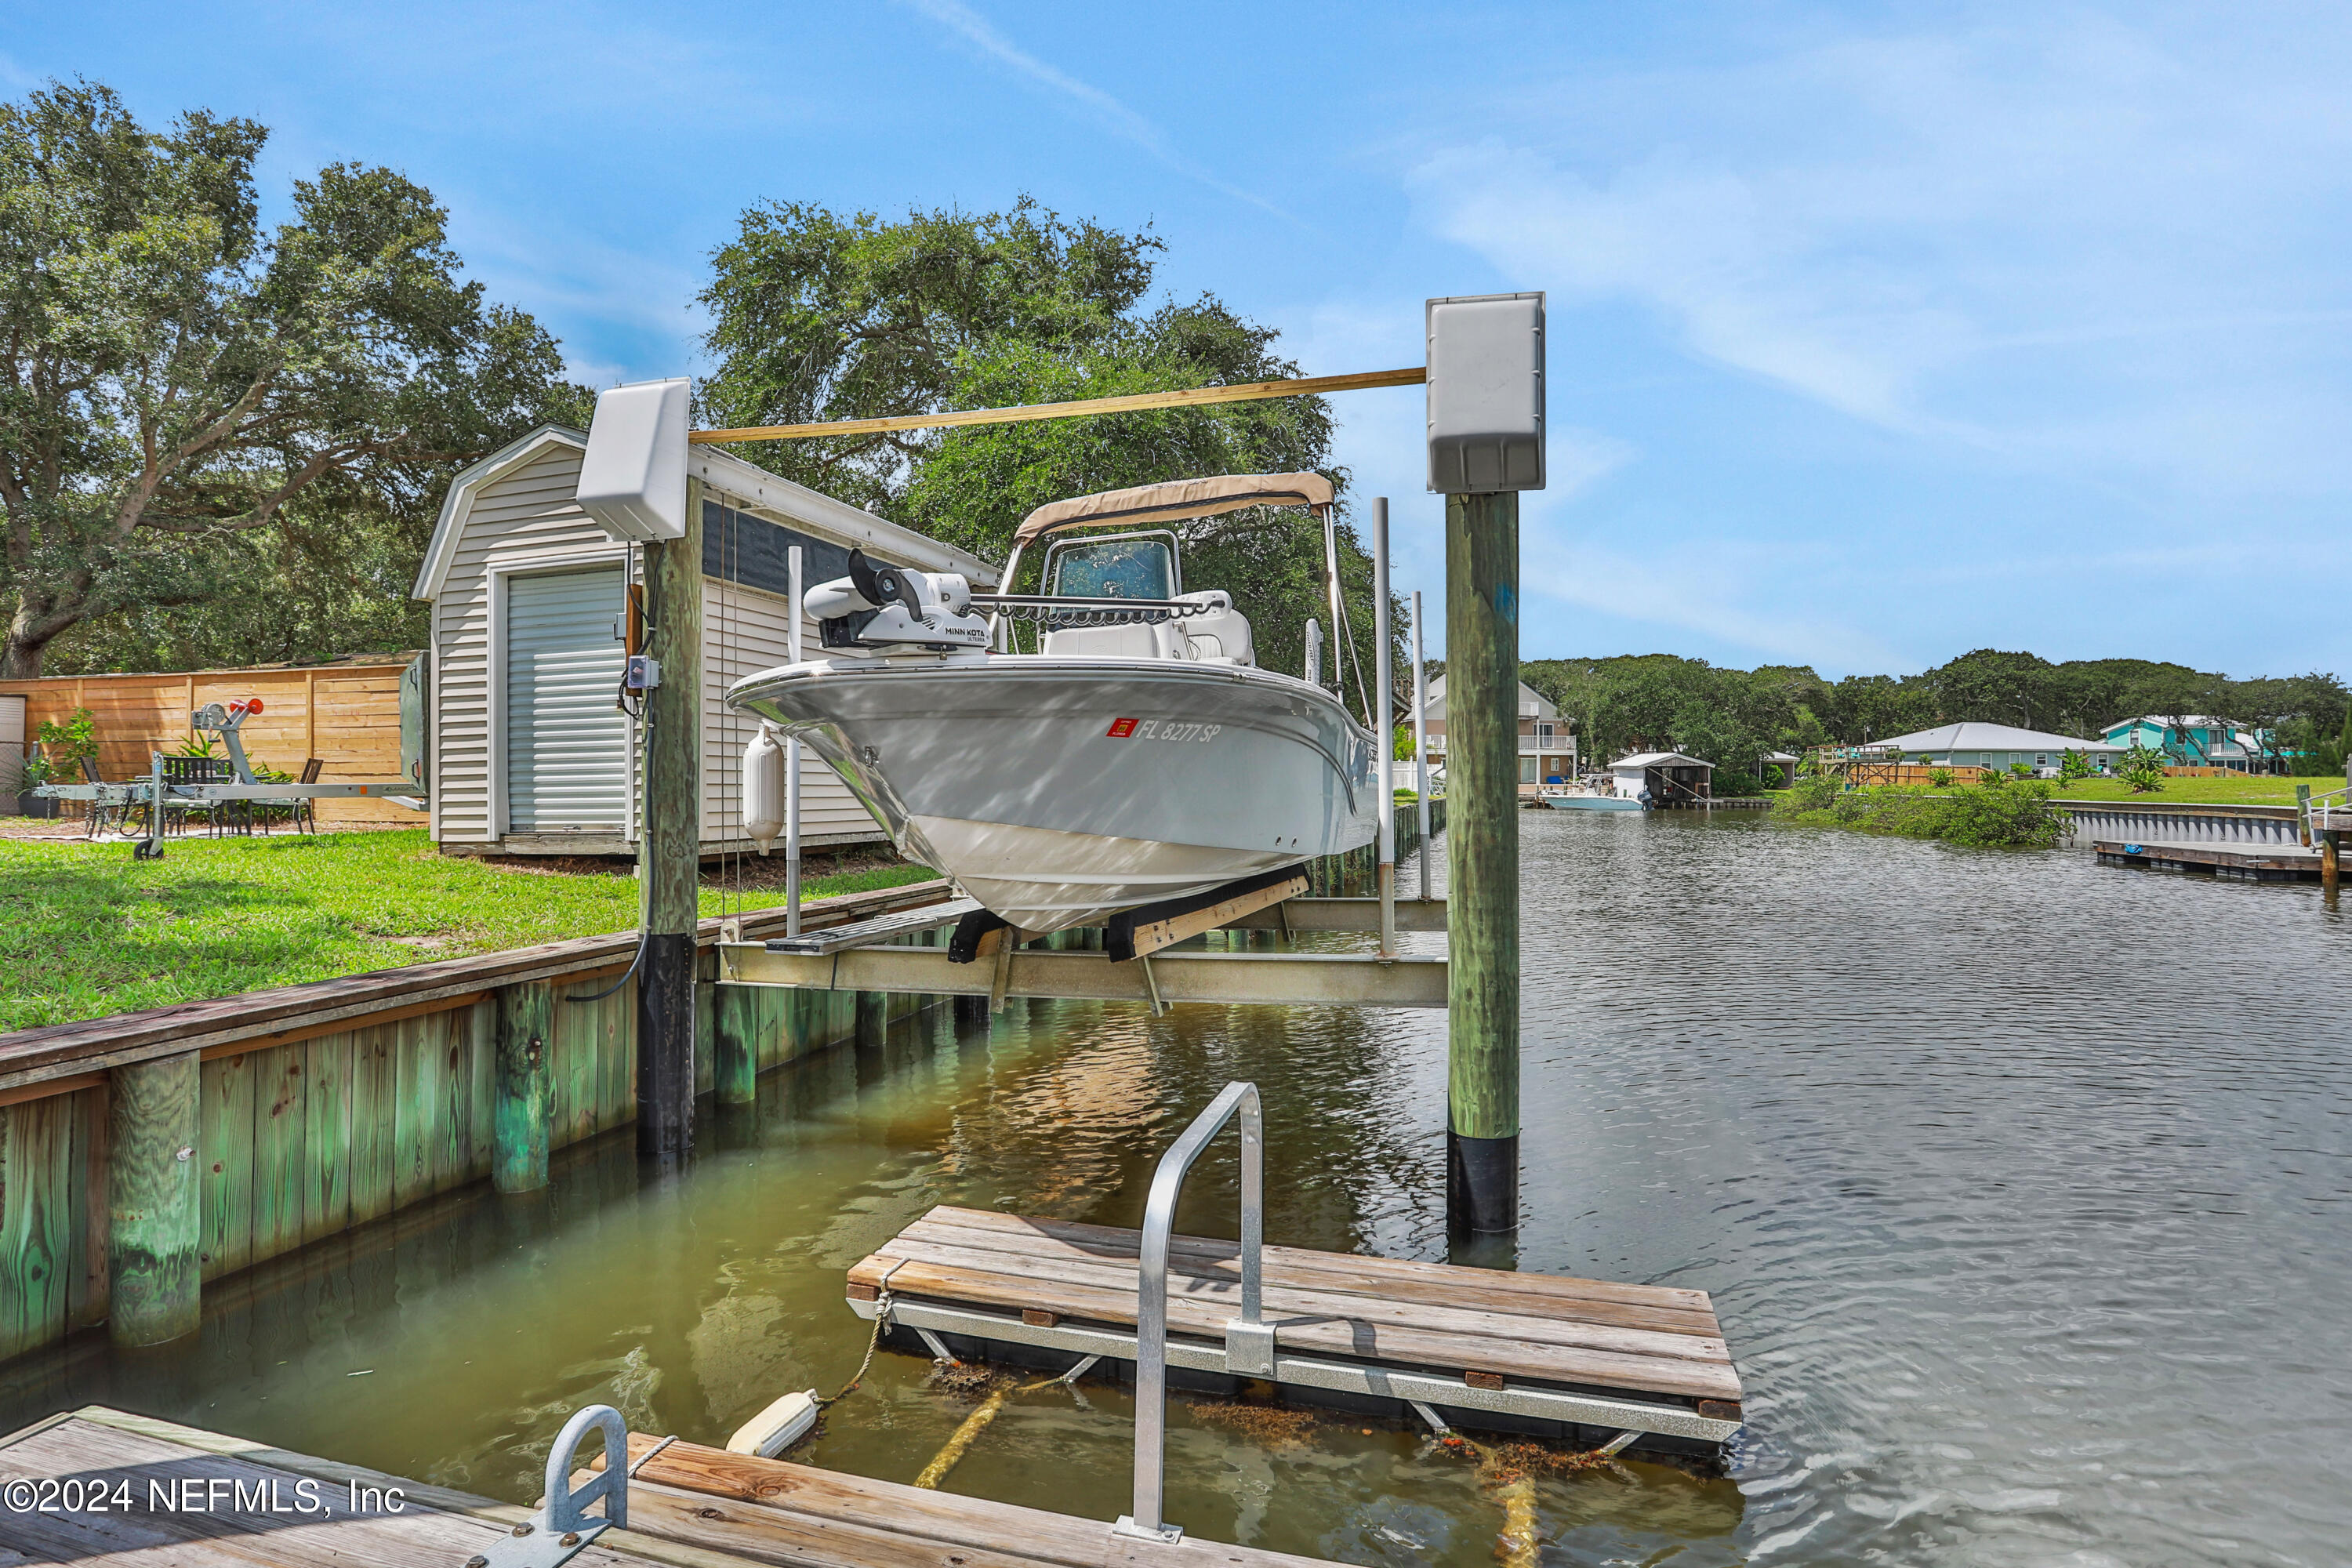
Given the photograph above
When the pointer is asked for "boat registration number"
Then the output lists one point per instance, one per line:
(1161, 729)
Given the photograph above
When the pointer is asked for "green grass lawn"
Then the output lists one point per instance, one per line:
(2244, 790)
(87, 930)
(2252, 790)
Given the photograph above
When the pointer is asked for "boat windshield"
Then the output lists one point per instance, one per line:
(1113, 568)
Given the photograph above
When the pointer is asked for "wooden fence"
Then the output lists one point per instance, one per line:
(346, 714)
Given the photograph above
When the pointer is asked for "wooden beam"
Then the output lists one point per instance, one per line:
(1189, 398)
(1151, 938)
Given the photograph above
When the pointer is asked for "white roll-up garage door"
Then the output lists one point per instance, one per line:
(567, 746)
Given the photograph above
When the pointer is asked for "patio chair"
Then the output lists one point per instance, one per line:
(102, 815)
(306, 814)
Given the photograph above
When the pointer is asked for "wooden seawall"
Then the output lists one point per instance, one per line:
(145, 1155)
(312, 1109)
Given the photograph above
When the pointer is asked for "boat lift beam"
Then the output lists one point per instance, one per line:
(1284, 979)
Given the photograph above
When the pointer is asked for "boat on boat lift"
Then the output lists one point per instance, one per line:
(1140, 758)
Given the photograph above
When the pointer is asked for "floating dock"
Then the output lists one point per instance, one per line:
(1573, 1359)
(202, 1500)
(2271, 863)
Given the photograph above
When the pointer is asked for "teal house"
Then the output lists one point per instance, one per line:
(2198, 740)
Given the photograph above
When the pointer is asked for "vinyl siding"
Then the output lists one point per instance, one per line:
(530, 515)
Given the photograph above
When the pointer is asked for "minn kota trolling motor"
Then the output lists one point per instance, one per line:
(895, 607)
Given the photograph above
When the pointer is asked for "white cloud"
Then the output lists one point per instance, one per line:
(2073, 241)
(1709, 590)
(1105, 109)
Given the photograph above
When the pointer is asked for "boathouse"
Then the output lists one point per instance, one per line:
(529, 750)
(1669, 777)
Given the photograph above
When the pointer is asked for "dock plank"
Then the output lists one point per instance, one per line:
(223, 1533)
(1654, 1340)
(1289, 1307)
(1672, 1308)
(1351, 1338)
(790, 1513)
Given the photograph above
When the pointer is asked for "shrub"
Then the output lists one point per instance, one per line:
(70, 742)
(2002, 814)
(1730, 782)
(2142, 769)
(2007, 817)
(1940, 778)
(2073, 764)
(2022, 770)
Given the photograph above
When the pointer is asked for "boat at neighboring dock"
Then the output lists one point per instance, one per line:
(1587, 800)
(1140, 756)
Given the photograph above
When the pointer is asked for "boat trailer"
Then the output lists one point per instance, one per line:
(156, 791)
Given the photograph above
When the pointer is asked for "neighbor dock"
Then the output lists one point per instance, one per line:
(202, 1500)
(1531, 1352)
(2286, 862)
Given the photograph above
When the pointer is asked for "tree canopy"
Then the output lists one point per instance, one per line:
(195, 408)
(817, 316)
(1731, 717)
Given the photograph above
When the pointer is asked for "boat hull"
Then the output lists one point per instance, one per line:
(1058, 791)
(1590, 803)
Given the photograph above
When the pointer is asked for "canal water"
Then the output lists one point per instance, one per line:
(2020, 1184)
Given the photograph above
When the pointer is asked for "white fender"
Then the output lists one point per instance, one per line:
(763, 787)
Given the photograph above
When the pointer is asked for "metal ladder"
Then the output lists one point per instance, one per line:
(1249, 1339)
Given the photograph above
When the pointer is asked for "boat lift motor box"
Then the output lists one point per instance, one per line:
(1487, 393)
(633, 476)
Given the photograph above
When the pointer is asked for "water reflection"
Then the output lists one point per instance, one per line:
(2015, 1180)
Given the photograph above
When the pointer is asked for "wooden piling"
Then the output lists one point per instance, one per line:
(873, 1024)
(735, 1053)
(1482, 721)
(521, 1085)
(2329, 845)
(155, 1190)
(668, 838)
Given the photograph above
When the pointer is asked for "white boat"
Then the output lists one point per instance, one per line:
(1140, 757)
(1586, 800)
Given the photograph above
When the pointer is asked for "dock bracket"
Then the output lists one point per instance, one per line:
(1249, 1348)
(563, 1528)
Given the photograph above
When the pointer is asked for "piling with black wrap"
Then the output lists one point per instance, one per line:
(669, 838)
(1482, 721)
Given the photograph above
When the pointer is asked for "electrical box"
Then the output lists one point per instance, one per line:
(633, 476)
(1487, 393)
(641, 673)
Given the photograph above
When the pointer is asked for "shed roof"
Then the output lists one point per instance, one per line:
(1660, 759)
(1979, 737)
(745, 480)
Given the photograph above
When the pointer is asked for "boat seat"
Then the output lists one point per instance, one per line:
(1107, 642)
(1221, 637)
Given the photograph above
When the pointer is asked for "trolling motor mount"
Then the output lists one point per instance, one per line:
(895, 608)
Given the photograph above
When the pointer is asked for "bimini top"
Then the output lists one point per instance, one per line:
(1177, 500)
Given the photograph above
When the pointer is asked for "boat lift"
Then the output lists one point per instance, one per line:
(156, 791)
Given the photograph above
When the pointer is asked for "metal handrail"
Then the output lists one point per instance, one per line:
(1151, 1289)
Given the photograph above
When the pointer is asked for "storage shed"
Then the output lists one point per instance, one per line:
(529, 752)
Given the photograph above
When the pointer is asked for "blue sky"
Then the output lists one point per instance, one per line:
(1878, 333)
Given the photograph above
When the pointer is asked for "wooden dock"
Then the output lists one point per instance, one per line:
(2271, 863)
(1560, 1357)
(189, 1498)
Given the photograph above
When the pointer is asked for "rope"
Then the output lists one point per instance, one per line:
(648, 1456)
(874, 1341)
